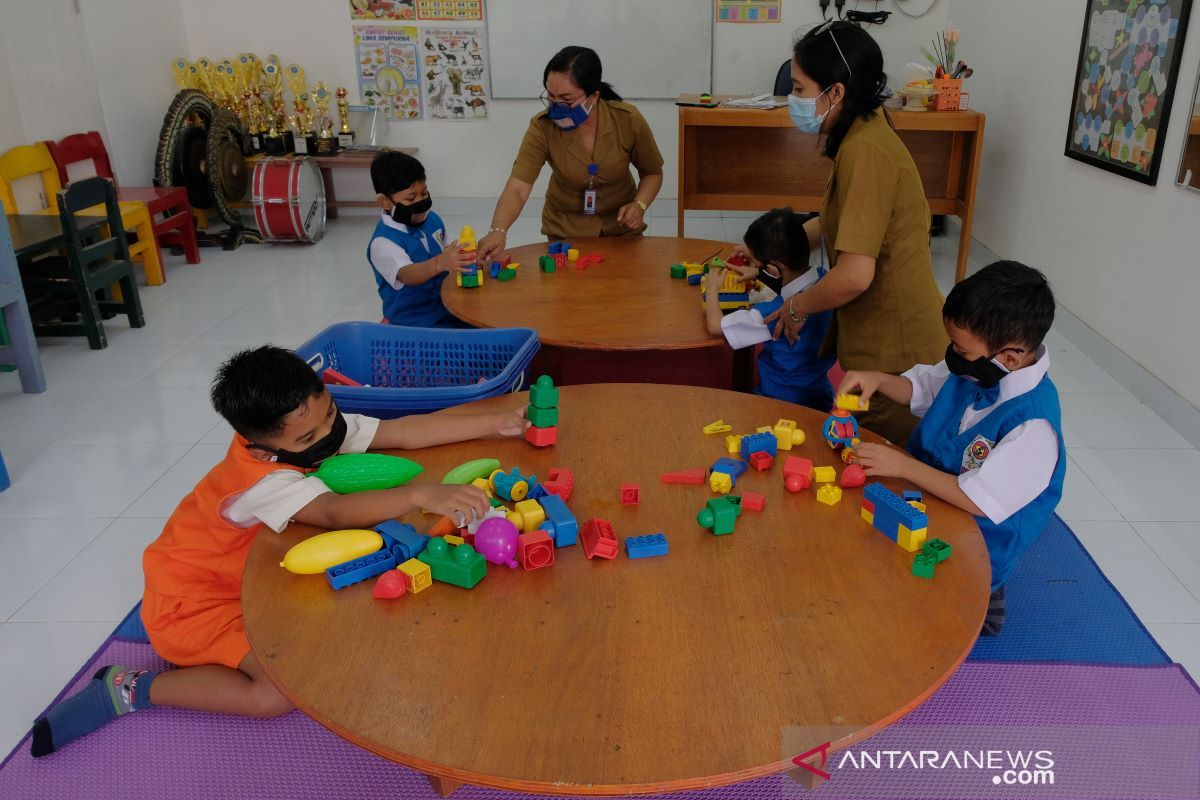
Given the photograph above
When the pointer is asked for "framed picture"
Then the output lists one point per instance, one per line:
(1124, 84)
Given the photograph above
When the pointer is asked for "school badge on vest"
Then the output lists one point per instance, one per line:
(976, 453)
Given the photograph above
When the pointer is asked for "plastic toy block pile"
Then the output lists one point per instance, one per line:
(733, 294)
(505, 269)
(559, 254)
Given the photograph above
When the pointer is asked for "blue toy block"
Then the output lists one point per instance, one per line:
(495, 270)
(733, 467)
(695, 280)
(890, 511)
(536, 492)
(560, 522)
(654, 544)
(471, 269)
(360, 569)
(764, 442)
(910, 496)
(559, 247)
(401, 540)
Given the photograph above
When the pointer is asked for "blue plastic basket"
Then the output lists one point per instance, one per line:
(419, 370)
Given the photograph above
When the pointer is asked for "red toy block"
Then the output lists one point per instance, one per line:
(762, 461)
(691, 476)
(442, 527)
(332, 376)
(797, 473)
(541, 437)
(853, 476)
(753, 501)
(389, 586)
(560, 482)
(504, 262)
(560, 260)
(868, 506)
(535, 550)
(598, 539)
(629, 494)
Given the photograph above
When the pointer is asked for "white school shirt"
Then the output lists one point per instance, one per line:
(279, 495)
(389, 258)
(745, 327)
(1021, 464)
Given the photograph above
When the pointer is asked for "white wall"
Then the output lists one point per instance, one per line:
(11, 131)
(1122, 256)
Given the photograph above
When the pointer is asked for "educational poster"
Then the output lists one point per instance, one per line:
(1128, 63)
(452, 10)
(388, 72)
(455, 72)
(749, 11)
(383, 10)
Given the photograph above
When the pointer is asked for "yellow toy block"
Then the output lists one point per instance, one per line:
(733, 443)
(452, 539)
(514, 265)
(852, 402)
(720, 482)
(829, 494)
(417, 576)
(691, 268)
(467, 239)
(717, 427)
(764, 429)
(824, 474)
(918, 505)
(912, 541)
(484, 484)
(572, 254)
(527, 515)
(787, 435)
(867, 516)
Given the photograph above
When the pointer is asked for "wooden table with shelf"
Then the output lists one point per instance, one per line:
(711, 665)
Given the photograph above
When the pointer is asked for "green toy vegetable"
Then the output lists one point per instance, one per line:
(472, 470)
(361, 472)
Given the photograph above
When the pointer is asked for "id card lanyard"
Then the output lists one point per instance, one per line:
(589, 194)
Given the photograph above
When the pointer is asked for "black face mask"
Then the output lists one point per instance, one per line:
(403, 214)
(983, 370)
(772, 282)
(314, 454)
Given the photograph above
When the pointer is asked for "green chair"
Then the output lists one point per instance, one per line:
(97, 256)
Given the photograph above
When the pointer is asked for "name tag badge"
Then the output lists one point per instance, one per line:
(589, 201)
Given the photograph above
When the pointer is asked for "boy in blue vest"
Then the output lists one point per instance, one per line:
(408, 249)
(990, 437)
(777, 248)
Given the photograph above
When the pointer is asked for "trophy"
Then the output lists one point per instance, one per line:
(276, 142)
(345, 135)
(302, 121)
(327, 145)
(184, 73)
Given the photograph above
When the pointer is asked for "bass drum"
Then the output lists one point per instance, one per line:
(289, 200)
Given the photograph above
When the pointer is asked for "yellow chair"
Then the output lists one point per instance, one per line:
(35, 159)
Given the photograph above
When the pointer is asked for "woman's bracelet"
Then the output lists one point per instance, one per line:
(495, 230)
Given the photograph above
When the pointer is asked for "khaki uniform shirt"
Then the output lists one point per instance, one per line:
(622, 138)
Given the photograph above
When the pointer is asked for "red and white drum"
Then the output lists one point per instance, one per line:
(289, 200)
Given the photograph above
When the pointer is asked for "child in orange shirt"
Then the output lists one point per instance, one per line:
(286, 424)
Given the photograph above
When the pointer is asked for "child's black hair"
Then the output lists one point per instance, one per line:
(257, 388)
(818, 56)
(1003, 303)
(393, 172)
(778, 236)
(583, 65)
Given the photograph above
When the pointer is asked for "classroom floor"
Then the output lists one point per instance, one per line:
(101, 459)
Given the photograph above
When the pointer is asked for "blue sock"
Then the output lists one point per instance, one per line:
(113, 692)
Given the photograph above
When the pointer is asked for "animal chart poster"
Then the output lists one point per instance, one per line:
(454, 67)
(388, 73)
(748, 11)
(453, 10)
(383, 10)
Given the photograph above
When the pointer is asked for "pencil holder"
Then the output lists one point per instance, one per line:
(948, 94)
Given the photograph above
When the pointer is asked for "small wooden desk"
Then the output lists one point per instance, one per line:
(35, 234)
(754, 160)
(712, 665)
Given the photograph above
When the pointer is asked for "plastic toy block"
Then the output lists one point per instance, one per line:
(720, 482)
(598, 539)
(460, 566)
(678, 271)
(733, 443)
(538, 492)
(527, 515)
(720, 514)
(596, 258)
(535, 550)
(482, 483)
(506, 275)
(688, 476)
(468, 281)
(797, 473)
(733, 467)
(695, 279)
(495, 269)
(762, 461)
(824, 474)
(759, 443)
(572, 254)
(542, 417)
(764, 429)
(560, 261)
(867, 516)
(442, 527)
(546, 264)
(332, 376)
(909, 496)
(830, 494)
(937, 548)
(737, 261)
(889, 512)
(753, 501)
(452, 539)
(560, 523)
(401, 540)
(560, 482)
(851, 402)
(787, 434)
(559, 247)
(417, 576)
(543, 393)
(630, 494)
(924, 565)
(467, 238)
(912, 541)
(840, 429)
(541, 437)
(360, 569)
(389, 586)
(511, 486)
(505, 262)
(918, 506)
(853, 476)
(654, 544)
(719, 426)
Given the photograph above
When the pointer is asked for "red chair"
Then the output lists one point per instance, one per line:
(174, 227)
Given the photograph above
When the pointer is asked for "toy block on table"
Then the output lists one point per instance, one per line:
(797, 473)
(720, 482)
(720, 514)
(630, 494)
(466, 239)
(753, 501)
(685, 476)
(598, 539)
(924, 565)
(853, 476)
(572, 254)
(541, 437)
(787, 435)
(824, 474)
(840, 429)
(762, 461)
(450, 538)
(360, 569)
(720, 426)
(389, 586)
(401, 540)
(560, 523)
(542, 417)
(505, 262)
(678, 271)
(829, 494)
(460, 566)
(888, 512)
(511, 486)
(527, 515)
(654, 544)
(535, 550)
(495, 270)
(938, 549)
(557, 248)
(733, 443)
(911, 495)
(560, 260)
(543, 393)
(851, 402)
(547, 264)
(506, 275)
(725, 472)
(918, 506)
(417, 576)
(759, 443)
(560, 482)
(912, 541)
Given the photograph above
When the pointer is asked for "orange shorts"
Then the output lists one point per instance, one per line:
(190, 634)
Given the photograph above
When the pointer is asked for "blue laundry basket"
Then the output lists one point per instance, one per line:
(419, 370)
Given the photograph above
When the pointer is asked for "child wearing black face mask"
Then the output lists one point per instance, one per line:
(990, 438)
(777, 246)
(408, 250)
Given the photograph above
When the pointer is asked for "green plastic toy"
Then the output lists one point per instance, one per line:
(472, 470)
(720, 514)
(460, 565)
(543, 394)
(924, 565)
(361, 472)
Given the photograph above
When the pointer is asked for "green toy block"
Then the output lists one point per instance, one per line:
(470, 281)
(716, 263)
(923, 565)
(542, 417)
(720, 514)
(506, 275)
(938, 549)
(678, 271)
(543, 394)
(546, 264)
(460, 565)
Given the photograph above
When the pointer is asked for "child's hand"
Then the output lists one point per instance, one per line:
(462, 504)
(715, 279)
(743, 252)
(455, 259)
(882, 461)
(866, 383)
(512, 423)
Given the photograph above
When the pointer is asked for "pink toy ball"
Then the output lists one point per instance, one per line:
(496, 538)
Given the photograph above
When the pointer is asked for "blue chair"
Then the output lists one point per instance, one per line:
(20, 347)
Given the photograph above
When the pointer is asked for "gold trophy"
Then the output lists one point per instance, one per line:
(275, 142)
(302, 121)
(345, 135)
(326, 144)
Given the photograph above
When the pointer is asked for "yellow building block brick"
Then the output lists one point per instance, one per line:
(852, 402)
(572, 254)
(720, 482)
(787, 434)
(829, 494)
(912, 541)
(417, 576)
(733, 443)
(918, 505)
(824, 474)
(452, 539)
(527, 515)
(867, 516)
(764, 429)
(484, 484)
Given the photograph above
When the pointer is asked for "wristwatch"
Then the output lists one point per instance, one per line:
(640, 205)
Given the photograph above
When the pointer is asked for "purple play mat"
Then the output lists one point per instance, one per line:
(1109, 731)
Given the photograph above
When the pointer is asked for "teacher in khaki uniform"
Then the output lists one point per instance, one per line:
(874, 222)
(590, 137)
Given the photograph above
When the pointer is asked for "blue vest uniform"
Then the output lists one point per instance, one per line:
(417, 305)
(937, 442)
(795, 372)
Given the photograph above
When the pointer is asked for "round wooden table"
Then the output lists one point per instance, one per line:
(714, 664)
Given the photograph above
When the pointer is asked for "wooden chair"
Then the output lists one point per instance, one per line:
(34, 159)
(18, 346)
(97, 256)
(168, 206)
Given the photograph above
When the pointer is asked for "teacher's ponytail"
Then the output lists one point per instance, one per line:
(583, 65)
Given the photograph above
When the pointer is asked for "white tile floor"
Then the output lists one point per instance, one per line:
(102, 457)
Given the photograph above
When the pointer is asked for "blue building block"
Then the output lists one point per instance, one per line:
(560, 522)
(495, 269)
(401, 540)
(559, 247)
(654, 544)
(360, 569)
(764, 442)
(695, 280)
(910, 496)
(536, 491)
(733, 467)
(890, 511)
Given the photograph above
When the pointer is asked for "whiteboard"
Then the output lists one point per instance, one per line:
(650, 49)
